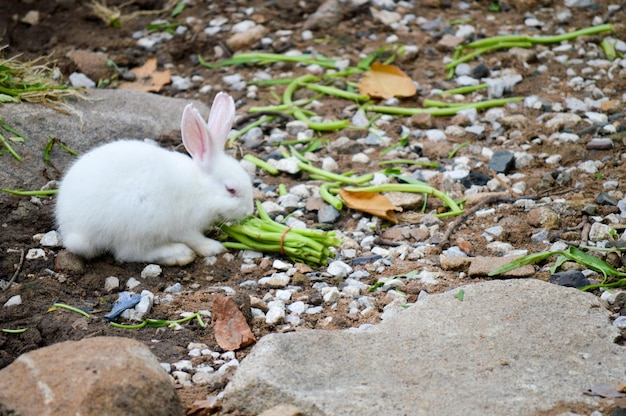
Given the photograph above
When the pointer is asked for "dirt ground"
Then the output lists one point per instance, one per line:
(67, 25)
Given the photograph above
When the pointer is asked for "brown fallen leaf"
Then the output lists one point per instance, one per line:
(386, 81)
(370, 202)
(148, 78)
(229, 325)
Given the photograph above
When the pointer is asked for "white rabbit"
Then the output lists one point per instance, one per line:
(143, 203)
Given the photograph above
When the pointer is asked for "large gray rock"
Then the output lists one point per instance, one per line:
(107, 115)
(95, 376)
(517, 347)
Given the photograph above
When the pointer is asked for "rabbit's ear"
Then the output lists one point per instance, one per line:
(221, 119)
(196, 136)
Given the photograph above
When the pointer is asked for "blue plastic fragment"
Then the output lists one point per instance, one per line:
(126, 300)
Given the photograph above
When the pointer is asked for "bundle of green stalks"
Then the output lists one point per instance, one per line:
(263, 234)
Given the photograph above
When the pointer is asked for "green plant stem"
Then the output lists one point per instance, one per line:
(261, 164)
(593, 30)
(265, 58)
(250, 126)
(327, 196)
(14, 331)
(57, 305)
(122, 326)
(335, 177)
(30, 193)
(265, 235)
(485, 49)
(299, 114)
(337, 92)
(436, 111)
(454, 151)
(408, 162)
(464, 90)
(6, 144)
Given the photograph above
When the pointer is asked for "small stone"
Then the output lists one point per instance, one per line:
(328, 214)
(242, 40)
(544, 217)
(242, 26)
(523, 55)
(13, 301)
(183, 365)
(502, 161)
(599, 232)
(151, 270)
(277, 280)
(480, 71)
(563, 120)
(176, 288)
(339, 269)
(553, 159)
(132, 283)
(31, 18)
(68, 261)
(51, 239)
(328, 14)
(571, 278)
(604, 198)
(330, 294)
(600, 144)
(275, 313)
(540, 236)
(289, 165)
(448, 42)
(111, 283)
(273, 209)
(361, 158)
(35, 253)
(281, 265)
(422, 121)
(329, 165)
(435, 135)
(620, 322)
(80, 80)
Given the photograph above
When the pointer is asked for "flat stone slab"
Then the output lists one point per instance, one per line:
(517, 347)
(106, 115)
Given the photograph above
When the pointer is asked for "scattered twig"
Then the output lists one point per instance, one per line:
(504, 184)
(251, 116)
(17, 271)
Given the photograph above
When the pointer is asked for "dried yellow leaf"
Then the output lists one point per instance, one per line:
(372, 203)
(386, 81)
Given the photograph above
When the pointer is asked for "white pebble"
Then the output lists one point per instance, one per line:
(360, 158)
(51, 239)
(111, 283)
(277, 280)
(330, 294)
(151, 270)
(13, 301)
(132, 283)
(339, 269)
(275, 314)
(35, 253)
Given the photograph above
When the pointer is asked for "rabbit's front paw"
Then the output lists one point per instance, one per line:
(206, 247)
(175, 254)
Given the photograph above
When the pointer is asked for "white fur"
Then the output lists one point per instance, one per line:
(143, 203)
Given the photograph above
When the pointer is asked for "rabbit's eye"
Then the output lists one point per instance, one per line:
(231, 191)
